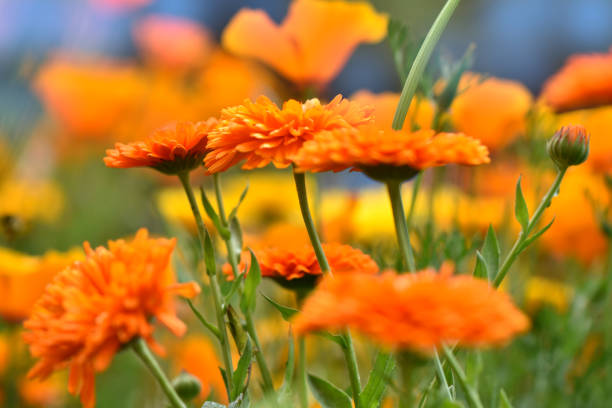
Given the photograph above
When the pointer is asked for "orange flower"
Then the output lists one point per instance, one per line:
(171, 150)
(172, 42)
(585, 80)
(491, 109)
(94, 307)
(299, 261)
(384, 154)
(261, 133)
(417, 311)
(314, 41)
(420, 113)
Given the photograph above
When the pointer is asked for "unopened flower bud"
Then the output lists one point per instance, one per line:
(187, 386)
(569, 146)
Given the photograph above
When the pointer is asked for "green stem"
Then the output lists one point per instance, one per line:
(472, 396)
(141, 349)
(401, 227)
(214, 282)
(420, 62)
(523, 235)
(441, 375)
(351, 361)
(268, 384)
(301, 379)
(415, 193)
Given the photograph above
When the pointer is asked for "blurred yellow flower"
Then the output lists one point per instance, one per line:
(540, 291)
(28, 200)
(174, 207)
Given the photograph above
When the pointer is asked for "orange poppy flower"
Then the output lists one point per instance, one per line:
(420, 113)
(94, 307)
(299, 261)
(314, 41)
(585, 80)
(415, 311)
(384, 154)
(491, 109)
(171, 150)
(261, 133)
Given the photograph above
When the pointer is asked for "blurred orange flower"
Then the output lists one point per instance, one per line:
(491, 109)
(314, 41)
(585, 80)
(394, 153)
(23, 279)
(174, 149)
(94, 307)
(172, 42)
(420, 113)
(298, 261)
(261, 133)
(416, 311)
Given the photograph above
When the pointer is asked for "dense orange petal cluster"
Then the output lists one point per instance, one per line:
(261, 133)
(491, 109)
(314, 41)
(585, 80)
(369, 146)
(415, 311)
(94, 307)
(173, 149)
(298, 261)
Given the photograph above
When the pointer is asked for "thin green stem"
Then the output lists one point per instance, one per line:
(420, 62)
(524, 235)
(142, 350)
(471, 394)
(214, 282)
(441, 375)
(415, 193)
(353, 369)
(401, 226)
(301, 374)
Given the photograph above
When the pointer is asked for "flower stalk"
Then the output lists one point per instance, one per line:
(401, 226)
(471, 394)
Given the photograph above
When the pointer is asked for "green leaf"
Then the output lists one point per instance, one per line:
(240, 200)
(285, 390)
(490, 252)
(473, 367)
(520, 207)
(336, 338)
(209, 255)
(236, 235)
(253, 278)
(536, 235)
(203, 320)
(327, 394)
(242, 371)
(211, 404)
(286, 311)
(454, 73)
(451, 404)
(231, 287)
(212, 214)
(379, 377)
(481, 269)
(504, 401)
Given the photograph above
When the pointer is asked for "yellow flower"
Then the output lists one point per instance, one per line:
(540, 291)
(30, 200)
(174, 207)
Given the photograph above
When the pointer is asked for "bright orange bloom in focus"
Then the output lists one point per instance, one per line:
(585, 80)
(371, 149)
(491, 109)
(314, 41)
(261, 133)
(172, 42)
(415, 311)
(94, 307)
(171, 150)
(420, 112)
(299, 261)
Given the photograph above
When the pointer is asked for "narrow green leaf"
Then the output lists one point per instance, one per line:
(481, 270)
(490, 252)
(336, 338)
(209, 255)
(240, 200)
(536, 235)
(228, 290)
(285, 390)
(520, 207)
(504, 401)
(203, 320)
(286, 311)
(236, 235)
(446, 97)
(327, 394)
(473, 367)
(452, 404)
(212, 214)
(211, 404)
(253, 278)
(377, 381)
(242, 370)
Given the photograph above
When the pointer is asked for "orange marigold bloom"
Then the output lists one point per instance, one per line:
(314, 41)
(171, 150)
(299, 261)
(420, 112)
(94, 307)
(383, 154)
(585, 80)
(261, 133)
(491, 109)
(416, 311)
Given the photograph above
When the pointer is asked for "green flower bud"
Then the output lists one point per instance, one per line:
(187, 386)
(569, 146)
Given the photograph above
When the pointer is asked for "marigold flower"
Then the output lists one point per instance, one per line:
(291, 262)
(569, 146)
(420, 113)
(171, 150)
(491, 109)
(261, 133)
(384, 154)
(94, 307)
(415, 311)
(540, 291)
(585, 80)
(30, 200)
(314, 41)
